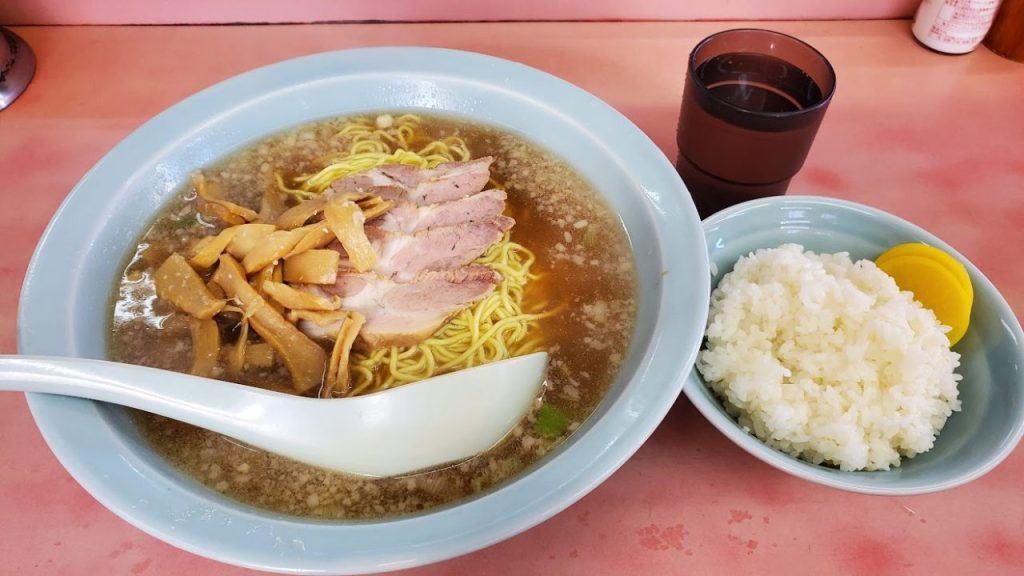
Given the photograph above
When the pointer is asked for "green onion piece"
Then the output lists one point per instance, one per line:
(551, 422)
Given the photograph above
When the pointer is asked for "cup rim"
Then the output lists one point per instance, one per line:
(825, 97)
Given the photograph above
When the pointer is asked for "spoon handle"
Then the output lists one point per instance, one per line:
(211, 404)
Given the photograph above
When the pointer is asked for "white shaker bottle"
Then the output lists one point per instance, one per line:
(953, 26)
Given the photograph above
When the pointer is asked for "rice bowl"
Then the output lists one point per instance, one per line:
(827, 360)
(975, 439)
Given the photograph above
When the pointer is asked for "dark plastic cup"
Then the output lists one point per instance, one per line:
(751, 107)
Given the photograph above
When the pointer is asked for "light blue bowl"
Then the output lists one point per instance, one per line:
(975, 439)
(66, 297)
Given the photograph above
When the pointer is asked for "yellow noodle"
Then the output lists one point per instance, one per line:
(371, 146)
(493, 329)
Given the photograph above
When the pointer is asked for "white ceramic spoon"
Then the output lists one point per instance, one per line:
(433, 422)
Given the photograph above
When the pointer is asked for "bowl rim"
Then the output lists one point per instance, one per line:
(696, 390)
(622, 429)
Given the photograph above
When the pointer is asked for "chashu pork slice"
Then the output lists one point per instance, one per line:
(409, 217)
(404, 313)
(448, 181)
(402, 256)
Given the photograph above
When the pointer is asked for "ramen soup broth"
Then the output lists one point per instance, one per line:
(584, 291)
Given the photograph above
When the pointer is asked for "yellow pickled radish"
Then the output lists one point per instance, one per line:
(933, 253)
(936, 279)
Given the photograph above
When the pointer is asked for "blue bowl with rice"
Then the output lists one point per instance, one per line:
(985, 407)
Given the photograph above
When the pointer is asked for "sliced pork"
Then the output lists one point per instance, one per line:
(403, 256)
(409, 217)
(449, 181)
(439, 222)
(404, 313)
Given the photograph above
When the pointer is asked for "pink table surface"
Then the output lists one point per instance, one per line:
(24, 12)
(933, 138)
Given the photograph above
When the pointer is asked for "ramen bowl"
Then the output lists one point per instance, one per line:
(991, 420)
(65, 302)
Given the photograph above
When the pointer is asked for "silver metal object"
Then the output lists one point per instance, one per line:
(17, 65)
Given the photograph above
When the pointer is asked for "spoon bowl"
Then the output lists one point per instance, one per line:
(426, 424)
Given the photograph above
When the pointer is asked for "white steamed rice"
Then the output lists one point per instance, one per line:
(827, 360)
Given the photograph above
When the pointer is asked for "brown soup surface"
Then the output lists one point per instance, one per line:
(587, 277)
